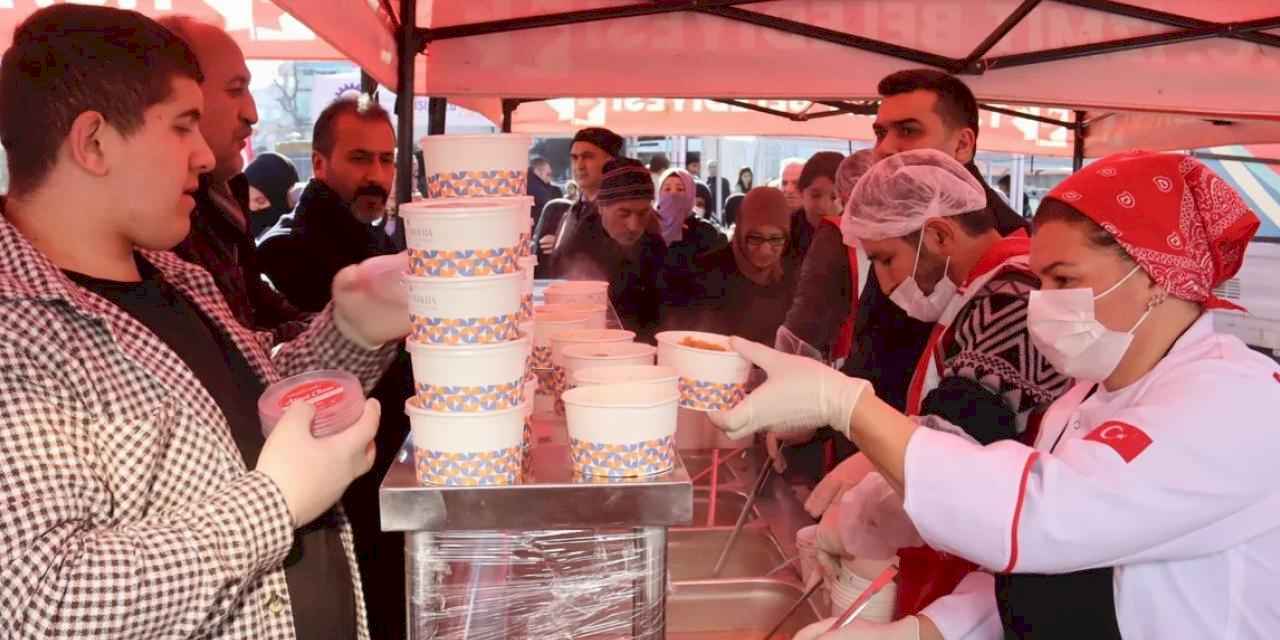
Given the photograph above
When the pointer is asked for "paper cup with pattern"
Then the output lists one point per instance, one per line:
(559, 375)
(577, 292)
(545, 325)
(526, 287)
(466, 449)
(621, 430)
(713, 377)
(465, 238)
(597, 313)
(647, 374)
(464, 311)
(470, 379)
(605, 354)
(475, 166)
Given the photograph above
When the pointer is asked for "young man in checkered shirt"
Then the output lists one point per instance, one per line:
(138, 497)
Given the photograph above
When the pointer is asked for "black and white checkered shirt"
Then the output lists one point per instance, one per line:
(126, 510)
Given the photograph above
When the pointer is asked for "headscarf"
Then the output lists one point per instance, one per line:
(273, 175)
(902, 192)
(761, 206)
(625, 179)
(608, 141)
(674, 209)
(851, 169)
(1184, 225)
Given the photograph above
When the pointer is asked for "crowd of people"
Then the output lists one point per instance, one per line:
(1017, 409)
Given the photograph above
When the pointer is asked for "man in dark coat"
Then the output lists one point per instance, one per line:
(333, 224)
(220, 239)
(617, 245)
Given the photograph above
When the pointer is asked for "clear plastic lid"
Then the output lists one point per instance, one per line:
(336, 395)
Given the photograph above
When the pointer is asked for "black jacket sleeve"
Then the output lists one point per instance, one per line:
(970, 406)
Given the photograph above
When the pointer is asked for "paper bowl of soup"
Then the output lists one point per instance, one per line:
(713, 377)
(465, 238)
(577, 292)
(474, 166)
(467, 449)
(470, 379)
(621, 430)
(560, 341)
(464, 311)
(605, 354)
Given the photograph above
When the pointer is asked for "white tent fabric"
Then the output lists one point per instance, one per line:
(742, 52)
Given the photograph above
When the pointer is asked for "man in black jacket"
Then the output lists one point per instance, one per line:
(616, 245)
(920, 108)
(220, 240)
(332, 227)
(592, 148)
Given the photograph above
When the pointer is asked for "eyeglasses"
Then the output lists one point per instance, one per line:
(756, 241)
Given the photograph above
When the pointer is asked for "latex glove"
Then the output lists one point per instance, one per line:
(547, 243)
(845, 476)
(872, 522)
(370, 308)
(800, 394)
(312, 473)
(907, 628)
(774, 443)
(807, 551)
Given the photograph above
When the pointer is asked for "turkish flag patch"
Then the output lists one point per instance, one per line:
(1126, 439)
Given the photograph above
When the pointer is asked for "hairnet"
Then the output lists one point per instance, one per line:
(900, 193)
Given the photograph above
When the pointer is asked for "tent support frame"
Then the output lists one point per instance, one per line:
(408, 44)
(976, 63)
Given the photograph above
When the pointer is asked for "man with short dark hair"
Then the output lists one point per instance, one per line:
(140, 497)
(353, 159)
(221, 237)
(720, 189)
(592, 148)
(920, 109)
(539, 186)
(615, 244)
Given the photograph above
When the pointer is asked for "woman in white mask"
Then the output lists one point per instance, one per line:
(1149, 505)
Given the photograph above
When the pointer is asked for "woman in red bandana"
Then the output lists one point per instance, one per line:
(1149, 505)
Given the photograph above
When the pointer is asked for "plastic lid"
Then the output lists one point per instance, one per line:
(336, 395)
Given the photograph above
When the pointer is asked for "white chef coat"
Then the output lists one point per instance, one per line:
(1174, 481)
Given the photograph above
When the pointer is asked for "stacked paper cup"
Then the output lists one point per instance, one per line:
(471, 336)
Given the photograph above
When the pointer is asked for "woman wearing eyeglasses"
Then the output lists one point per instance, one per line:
(745, 288)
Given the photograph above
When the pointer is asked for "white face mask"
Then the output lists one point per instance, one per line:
(925, 308)
(1064, 329)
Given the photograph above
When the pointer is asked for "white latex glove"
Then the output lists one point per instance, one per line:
(872, 522)
(799, 394)
(845, 476)
(806, 549)
(907, 628)
(312, 473)
(774, 443)
(368, 306)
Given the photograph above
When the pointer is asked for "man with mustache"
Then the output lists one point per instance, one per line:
(353, 159)
(220, 239)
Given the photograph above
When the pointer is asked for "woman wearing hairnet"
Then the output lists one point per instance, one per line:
(1156, 468)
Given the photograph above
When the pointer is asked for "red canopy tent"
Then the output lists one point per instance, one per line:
(1108, 63)
(262, 29)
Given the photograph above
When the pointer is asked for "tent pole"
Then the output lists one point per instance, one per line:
(408, 54)
(1077, 160)
(367, 84)
(437, 108)
(509, 106)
